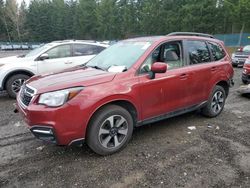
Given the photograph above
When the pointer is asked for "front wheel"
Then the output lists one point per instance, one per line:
(14, 83)
(110, 130)
(215, 103)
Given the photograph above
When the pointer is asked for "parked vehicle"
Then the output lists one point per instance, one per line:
(239, 57)
(132, 83)
(246, 72)
(51, 57)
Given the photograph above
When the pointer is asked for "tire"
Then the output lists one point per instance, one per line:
(244, 82)
(105, 139)
(14, 84)
(216, 102)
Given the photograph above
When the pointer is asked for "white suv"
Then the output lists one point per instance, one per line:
(51, 57)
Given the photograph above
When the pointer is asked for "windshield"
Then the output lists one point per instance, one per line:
(37, 51)
(246, 49)
(122, 54)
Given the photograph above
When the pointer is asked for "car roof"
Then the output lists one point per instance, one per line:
(90, 42)
(177, 37)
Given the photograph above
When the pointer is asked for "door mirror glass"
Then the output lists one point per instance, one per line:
(158, 67)
(43, 57)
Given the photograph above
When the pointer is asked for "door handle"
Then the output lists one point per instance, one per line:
(68, 62)
(183, 76)
(213, 68)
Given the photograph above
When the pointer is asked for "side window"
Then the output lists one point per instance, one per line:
(86, 49)
(170, 53)
(198, 52)
(98, 49)
(59, 52)
(217, 51)
(152, 58)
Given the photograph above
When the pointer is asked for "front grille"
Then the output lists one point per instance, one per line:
(241, 56)
(26, 95)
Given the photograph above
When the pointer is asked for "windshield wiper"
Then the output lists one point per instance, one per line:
(96, 67)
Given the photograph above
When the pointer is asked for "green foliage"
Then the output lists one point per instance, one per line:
(47, 20)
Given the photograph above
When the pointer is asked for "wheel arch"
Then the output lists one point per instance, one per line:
(124, 103)
(225, 85)
(12, 73)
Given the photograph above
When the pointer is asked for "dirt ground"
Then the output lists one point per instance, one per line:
(164, 154)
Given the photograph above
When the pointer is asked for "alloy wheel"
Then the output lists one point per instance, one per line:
(16, 85)
(217, 102)
(113, 131)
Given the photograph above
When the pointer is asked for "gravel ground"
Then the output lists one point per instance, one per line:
(164, 154)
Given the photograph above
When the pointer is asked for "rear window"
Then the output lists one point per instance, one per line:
(217, 51)
(198, 52)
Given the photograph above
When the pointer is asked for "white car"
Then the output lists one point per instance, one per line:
(51, 57)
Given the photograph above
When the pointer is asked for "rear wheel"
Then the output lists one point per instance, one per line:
(110, 130)
(215, 103)
(14, 83)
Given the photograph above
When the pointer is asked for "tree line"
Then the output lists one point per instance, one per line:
(48, 20)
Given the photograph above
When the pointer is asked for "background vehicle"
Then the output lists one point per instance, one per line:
(132, 83)
(51, 57)
(239, 57)
(246, 72)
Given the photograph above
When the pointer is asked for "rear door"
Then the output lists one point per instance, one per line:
(201, 67)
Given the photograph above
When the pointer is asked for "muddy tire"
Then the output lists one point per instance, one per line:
(216, 102)
(110, 130)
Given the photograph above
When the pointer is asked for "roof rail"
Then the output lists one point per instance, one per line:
(190, 34)
(74, 40)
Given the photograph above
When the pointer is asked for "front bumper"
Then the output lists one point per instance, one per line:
(64, 125)
(238, 62)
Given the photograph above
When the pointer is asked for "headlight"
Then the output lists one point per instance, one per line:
(247, 61)
(233, 55)
(58, 98)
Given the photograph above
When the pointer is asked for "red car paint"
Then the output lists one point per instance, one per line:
(246, 71)
(175, 89)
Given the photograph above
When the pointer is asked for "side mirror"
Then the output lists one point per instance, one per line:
(43, 57)
(157, 67)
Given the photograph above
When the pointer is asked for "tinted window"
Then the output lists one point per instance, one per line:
(59, 52)
(198, 52)
(86, 49)
(217, 51)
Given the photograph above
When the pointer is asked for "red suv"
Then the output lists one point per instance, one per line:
(132, 83)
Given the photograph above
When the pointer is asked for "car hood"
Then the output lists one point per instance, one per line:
(13, 60)
(242, 53)
(69, 78)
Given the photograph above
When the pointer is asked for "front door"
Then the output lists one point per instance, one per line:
(59, 58)
(167, 92)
